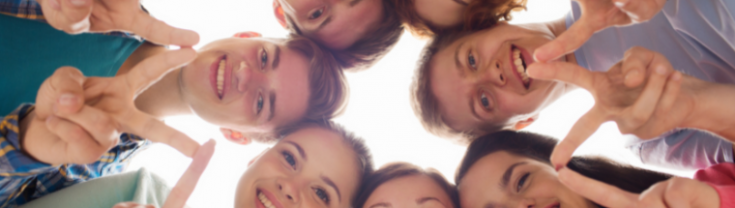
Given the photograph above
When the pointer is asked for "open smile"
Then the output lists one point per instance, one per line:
(219, 72)
(518, 57)
(266, 200)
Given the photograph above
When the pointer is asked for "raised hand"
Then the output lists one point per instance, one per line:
(675, 192)
(83, 136)
(77, 16)
(638, 93)
(598, 15)
(183, 189)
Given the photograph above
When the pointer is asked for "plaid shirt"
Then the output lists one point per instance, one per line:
(23, 178)
(30, 9)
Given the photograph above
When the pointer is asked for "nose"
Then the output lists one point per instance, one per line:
(526, 203)
(289, 190)
(493, 73)
(246, 76)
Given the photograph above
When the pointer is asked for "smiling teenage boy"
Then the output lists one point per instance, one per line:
(476, 83)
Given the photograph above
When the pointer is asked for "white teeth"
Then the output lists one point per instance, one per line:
(221, 77)
(265, 201)
(518, 62)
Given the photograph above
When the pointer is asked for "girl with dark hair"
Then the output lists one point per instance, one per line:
(519, 163)
(406, 185)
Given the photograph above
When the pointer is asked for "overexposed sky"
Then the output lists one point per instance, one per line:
(379, 109)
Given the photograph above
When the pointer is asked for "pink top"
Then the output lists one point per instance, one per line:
(722, 178)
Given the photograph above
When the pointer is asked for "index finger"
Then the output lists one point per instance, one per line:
(183, 189)
(585, 126)
(159, 32)
(601, 193)
(148, 127)
(152, 69)
(562, 71)
(568, 41)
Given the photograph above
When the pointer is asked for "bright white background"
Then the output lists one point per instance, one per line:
(378, 110)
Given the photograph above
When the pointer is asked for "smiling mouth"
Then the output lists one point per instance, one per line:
(221, 77)
(520, 65)
(264, 200)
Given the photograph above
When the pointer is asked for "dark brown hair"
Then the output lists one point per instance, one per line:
(401, 169)
(328, 89)
(477, 14)
(539, 147)
(372, 46)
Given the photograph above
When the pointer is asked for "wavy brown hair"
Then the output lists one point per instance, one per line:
(477, 14)
(398, 170)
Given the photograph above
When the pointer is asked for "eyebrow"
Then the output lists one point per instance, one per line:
(272, 98)
(457, 63)
(461, 2)
(381, 204)
(277, 58)
(354, 2)
(331, 183)
(508, 173)
(324, 23)
(298, 147)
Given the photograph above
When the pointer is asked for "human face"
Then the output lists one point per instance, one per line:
(480, 80)
(441, 13)
(501, 179)
(409, 191)
(249, 85)
(312, 167)
(335, 23)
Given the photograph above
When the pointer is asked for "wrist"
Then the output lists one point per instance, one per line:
(710, 109)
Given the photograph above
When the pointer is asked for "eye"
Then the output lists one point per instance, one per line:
(289, 159)
(322, 195)
(485, 101)
(263, 59)
(471, 61)
(317, 13)
(259, 104)
(522, 181)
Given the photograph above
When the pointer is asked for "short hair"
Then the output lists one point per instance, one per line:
(402, 169)
(328, 90)
(423, 101)
(372, 46)
(477, 14)
(539, 147)
(364, 157)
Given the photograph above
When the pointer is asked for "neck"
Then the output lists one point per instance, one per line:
(163, 98)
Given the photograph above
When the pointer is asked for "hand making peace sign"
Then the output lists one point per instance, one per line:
(598, 15)
(76, 16)
(85, 132)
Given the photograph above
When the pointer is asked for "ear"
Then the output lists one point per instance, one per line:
(525, 123)
(280, 15)
(257, 157)
(234, 136)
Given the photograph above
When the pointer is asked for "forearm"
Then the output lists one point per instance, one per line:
(714, 107)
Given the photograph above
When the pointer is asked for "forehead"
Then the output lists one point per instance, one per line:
(483, 180)
(327, 154)
(450, 88)
(351, 24)
(291, 85)
(409, 189)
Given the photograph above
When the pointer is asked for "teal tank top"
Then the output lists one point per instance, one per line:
(30, 52)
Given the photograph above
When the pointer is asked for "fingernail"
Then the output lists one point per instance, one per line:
(621, 3)
(661, 70)
(67, 99)
(78, 2)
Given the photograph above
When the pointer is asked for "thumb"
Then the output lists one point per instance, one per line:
(562, 71)
(71, 16)
(567, 42)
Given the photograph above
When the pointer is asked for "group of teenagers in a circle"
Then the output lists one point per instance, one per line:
(101, 79)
